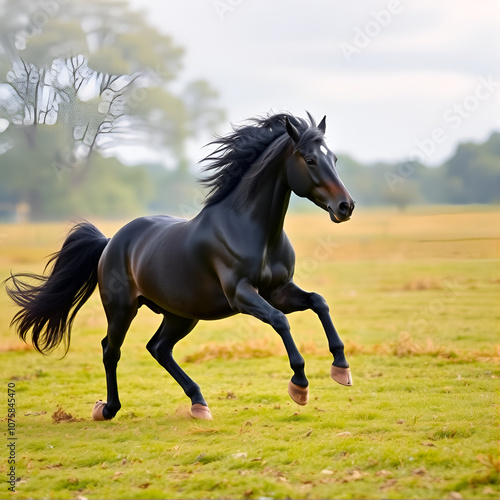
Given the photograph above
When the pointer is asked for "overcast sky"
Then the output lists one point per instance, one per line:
(395, 78)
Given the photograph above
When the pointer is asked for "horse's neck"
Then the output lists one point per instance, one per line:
(266, 203)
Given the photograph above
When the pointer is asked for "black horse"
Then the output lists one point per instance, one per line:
(233, 257)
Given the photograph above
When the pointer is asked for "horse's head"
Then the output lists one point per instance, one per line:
(311, 172)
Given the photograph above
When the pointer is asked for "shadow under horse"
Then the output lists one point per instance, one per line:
(233, 257)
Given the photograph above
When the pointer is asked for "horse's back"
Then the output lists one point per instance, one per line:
(135, 234)
(136, 228)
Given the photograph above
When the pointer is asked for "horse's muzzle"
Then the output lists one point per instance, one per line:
(342, 213)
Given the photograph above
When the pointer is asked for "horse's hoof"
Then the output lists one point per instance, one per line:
(201, 412)
(341, 375)
(299, 394)
(97, 414)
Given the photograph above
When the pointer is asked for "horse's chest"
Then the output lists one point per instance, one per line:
(266, 276)
(272, 275)
(267, 269)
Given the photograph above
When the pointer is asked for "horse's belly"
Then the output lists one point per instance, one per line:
(186, 291)
(196, 304)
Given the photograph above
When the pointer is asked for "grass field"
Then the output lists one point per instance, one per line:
(415, 298)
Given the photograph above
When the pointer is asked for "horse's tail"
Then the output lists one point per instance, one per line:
(49, 307)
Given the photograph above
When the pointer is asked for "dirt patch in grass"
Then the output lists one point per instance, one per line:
(423, 283)
(60, 416)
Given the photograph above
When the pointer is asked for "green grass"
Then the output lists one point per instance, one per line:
(415, 298)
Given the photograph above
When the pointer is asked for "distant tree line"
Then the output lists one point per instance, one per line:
(111, 189)
(471, 175)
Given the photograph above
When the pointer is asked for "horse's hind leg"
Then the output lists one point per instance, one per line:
(120, 315)
(173, 329)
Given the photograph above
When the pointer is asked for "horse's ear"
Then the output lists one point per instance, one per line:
(311, 119)
(322, 124)
(292, 130)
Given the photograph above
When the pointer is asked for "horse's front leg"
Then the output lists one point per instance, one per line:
(245, 299)
(290, 298)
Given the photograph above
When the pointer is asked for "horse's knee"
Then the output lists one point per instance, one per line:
(280, 322)
(318, 303)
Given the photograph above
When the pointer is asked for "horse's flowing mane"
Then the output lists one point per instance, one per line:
(239, 150)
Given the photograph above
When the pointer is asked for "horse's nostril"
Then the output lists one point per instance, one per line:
(343, 208)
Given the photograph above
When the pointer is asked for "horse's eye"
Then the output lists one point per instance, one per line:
(310, 161)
